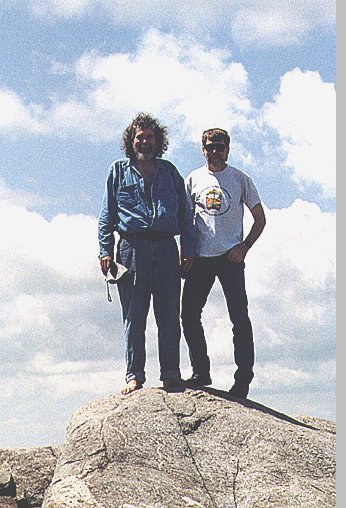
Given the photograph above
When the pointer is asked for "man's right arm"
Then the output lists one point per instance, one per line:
(238, 252)
(106, 223)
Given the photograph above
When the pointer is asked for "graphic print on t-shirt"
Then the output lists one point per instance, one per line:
(214, 200)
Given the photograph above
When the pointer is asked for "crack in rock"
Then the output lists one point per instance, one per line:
(234, 484)
(190, 453)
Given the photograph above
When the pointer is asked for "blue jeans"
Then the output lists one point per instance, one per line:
(153, 270)
(197, 287)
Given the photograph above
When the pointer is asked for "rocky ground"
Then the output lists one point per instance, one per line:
(193, 448)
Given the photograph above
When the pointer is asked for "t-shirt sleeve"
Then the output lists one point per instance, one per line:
(250, 196)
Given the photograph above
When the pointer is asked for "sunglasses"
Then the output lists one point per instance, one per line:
(218, 147)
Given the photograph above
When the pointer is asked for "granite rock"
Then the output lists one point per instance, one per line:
(26, 473)
(192, 448)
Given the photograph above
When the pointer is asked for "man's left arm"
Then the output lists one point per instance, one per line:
(238, 252)
(188, 238)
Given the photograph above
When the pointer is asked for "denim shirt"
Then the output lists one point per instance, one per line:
(126, 208)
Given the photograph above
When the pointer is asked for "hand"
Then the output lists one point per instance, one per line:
(237, 253)
(186, 263)
(105, 264)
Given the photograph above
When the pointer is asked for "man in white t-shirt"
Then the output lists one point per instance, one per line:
(217, 194)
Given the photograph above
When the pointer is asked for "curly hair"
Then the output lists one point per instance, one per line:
(145, 121)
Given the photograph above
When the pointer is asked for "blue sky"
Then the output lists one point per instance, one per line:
(72, 76)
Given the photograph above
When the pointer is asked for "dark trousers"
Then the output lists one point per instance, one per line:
(197, 287)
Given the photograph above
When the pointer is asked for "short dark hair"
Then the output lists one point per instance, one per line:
(145, 121)
(216, 135)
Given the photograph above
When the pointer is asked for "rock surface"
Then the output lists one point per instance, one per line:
(25, 474)
(7, 502)
(195, 448)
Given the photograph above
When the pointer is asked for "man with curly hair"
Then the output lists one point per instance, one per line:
(145, 202)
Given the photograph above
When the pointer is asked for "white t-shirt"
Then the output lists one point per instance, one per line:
(218, 203)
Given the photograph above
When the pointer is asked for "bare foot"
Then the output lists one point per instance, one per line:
(131, 387)
(172, 383)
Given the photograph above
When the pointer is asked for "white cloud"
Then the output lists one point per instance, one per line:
(292, 293)
(272, 23)
(66, 244)
(19, 197)
(301, 238)
(192, 88)
(19, 117)
(266, 23)
(60, 8)
(53, 293)
(62, 379)
(304, 115)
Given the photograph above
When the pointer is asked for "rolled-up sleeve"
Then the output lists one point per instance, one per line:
(107, 218)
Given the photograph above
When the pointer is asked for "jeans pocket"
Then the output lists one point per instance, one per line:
(126, 254)
(124, 245)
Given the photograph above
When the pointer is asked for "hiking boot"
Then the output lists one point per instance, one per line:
(198, 380)
(239, 390)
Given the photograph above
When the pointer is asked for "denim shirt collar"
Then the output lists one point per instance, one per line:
(131, 162)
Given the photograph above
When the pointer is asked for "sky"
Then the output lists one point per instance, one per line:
(73, 74)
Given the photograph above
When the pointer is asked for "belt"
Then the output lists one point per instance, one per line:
(148, 234)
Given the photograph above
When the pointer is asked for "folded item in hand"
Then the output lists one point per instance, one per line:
(115, 271)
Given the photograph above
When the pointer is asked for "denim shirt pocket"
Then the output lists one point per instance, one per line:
(129, 196)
